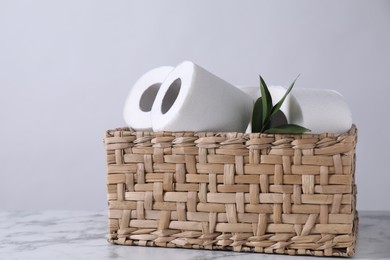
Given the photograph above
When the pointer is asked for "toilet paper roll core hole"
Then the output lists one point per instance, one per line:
(278, 119)
(147, 99)
(171, 95)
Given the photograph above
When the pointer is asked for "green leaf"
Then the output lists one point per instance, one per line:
(257, 116)
(266, 126)
(266, 102)
(280, 103)
(287, 129)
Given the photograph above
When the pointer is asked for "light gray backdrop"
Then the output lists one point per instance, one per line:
(66, 68)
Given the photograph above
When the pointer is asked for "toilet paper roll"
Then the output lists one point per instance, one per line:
(320, 110)
(139, 103)
(252, 92)
(193, 99)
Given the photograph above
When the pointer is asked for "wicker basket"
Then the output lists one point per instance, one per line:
(266, 193)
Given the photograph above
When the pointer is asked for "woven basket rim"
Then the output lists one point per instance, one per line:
(351, 131)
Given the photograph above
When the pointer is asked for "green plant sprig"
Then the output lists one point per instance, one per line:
(264, 110)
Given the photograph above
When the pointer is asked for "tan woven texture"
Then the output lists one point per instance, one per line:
(266, 193)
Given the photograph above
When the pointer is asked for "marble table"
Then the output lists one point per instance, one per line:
(82, 235)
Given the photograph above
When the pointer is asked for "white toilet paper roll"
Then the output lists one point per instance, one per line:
(138, 106)
(193, 99)
(320, 110)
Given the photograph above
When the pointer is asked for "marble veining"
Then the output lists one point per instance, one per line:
(82, 235)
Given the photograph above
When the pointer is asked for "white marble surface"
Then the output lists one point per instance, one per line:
(82, 235)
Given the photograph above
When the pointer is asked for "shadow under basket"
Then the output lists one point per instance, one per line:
(267, 193)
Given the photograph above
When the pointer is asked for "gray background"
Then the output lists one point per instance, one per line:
(66, 68)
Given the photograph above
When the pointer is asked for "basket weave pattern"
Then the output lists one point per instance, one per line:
(269, 193)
